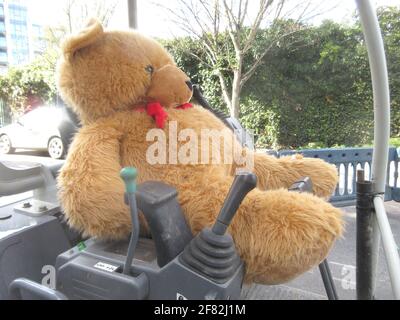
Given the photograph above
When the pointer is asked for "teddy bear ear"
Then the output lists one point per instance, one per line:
(87, 36)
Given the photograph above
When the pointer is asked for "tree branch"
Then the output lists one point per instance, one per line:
(231, 29)
(243, 12)
(264, 5)
(225, 91)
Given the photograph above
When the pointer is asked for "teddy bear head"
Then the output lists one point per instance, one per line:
(103, 72)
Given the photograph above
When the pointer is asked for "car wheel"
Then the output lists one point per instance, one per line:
(56, 148)
(5, 145)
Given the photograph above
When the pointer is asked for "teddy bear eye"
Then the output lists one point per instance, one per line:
(149, 69)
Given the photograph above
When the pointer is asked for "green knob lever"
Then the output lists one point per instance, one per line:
(129, 175)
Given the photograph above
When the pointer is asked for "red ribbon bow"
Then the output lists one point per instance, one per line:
(157, 112)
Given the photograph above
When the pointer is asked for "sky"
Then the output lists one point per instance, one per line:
(154, 21)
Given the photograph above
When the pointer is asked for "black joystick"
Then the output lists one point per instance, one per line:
(241, 186)
(212, 253)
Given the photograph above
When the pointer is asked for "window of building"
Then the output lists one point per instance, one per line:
(17, 12)
(18, 28)
(1, 10)
(3, 56)
(20, 43)
(2, 26)
(3, 42)
(20, 57)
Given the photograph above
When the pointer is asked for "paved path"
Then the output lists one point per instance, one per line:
(31, 156)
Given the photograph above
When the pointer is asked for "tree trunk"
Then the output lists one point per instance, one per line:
(236, 90)
(225, 91)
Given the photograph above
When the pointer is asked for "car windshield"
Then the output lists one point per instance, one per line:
(43, 116)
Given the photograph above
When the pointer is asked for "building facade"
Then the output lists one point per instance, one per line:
(3, 40)
(20, 39)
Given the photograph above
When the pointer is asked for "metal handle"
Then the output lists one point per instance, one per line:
(129, 175)
(241, 186)
(36, 289)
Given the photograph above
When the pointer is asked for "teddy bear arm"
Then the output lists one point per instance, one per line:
(90, 188)
(273, 173)
(324, 176)
(270, 173)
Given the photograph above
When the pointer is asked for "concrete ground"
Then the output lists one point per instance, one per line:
(308, 286)
(29, 155)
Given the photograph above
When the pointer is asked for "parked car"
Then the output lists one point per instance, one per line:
(44, 128)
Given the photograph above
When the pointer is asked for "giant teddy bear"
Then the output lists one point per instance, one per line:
(110, 78)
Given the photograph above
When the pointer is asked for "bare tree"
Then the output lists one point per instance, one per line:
(243, 20)
(76, 14)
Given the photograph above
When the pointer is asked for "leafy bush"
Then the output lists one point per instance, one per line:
(23, 83)
(394, 142)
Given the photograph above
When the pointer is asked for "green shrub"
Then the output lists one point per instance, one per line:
(394, 142)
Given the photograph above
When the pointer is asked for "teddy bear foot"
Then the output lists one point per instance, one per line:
(281, 235)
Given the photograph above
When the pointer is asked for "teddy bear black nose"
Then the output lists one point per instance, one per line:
(190, 85)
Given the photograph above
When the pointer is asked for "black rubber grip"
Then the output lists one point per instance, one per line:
(241, 186)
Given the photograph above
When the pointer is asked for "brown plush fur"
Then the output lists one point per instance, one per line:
(102, 76)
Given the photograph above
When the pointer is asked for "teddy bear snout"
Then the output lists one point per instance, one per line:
(170, 86)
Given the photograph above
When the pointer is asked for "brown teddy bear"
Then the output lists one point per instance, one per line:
(124, 86)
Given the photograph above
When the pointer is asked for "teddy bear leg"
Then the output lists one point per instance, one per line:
(278, 234)
(282, 234)
(273, 173)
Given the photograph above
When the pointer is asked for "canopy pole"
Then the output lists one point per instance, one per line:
(380, 85)
(132, 12)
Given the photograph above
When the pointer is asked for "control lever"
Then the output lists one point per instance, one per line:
(169, 229)
(212, 252)
(242, 184)
(129, 175)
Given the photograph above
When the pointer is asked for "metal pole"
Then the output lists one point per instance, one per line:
(327, 279)
(365, 261)
(380, 85)
(389, 246)
(129, 175)
(132, 12)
